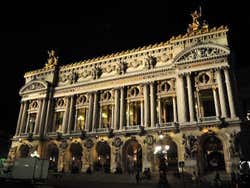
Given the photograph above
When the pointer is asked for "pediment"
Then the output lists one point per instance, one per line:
(202, 52)
(36, 85)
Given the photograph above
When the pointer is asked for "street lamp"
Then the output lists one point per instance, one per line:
(161, 151)
(35, 154)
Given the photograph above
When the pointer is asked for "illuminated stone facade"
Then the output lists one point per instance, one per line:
(112, 111)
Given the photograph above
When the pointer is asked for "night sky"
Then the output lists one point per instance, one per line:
(82, 31)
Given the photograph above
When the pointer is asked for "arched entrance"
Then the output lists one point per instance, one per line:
(212, 155)
(76, 156)
(132, 156)
(24, 151)
(103, 157)
(171, 156)
(52, 156)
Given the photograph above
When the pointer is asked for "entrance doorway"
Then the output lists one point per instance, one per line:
(76, 156)
(172, 156)
(103, 157)
(24, 151)
(132, 156)
(212, 154)
(52, 156)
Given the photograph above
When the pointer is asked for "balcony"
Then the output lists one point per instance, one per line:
(132, 127)
(209, 118)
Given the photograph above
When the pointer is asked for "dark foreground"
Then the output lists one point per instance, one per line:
(101, 180)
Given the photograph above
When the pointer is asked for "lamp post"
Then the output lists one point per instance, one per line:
(34, 155)
(161, 151)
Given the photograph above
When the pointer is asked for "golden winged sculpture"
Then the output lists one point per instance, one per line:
(52, 60)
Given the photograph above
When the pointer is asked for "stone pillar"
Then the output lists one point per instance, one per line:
(113, 163)
(42, 119)
(174, 108)
(24, 117)
(216, 104)
(127, 113)
(86, 121)
(145, 162)
(94, 123)
(229, 94)
(48, 115)
(75, 120)
(66, 116)
(27, 123)
(71, 115)
(38, 115)
(221, 95)
(117, 108)
(146, 105)
(159, 111)
(152, 104)
(100, 120)
(190, 98)
(113, 119)
(142, 114)
(181, 99)
(19, 119)
(199, 115)
(90, 114)
(122, 107)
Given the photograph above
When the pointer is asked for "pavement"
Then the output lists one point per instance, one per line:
(102, 180)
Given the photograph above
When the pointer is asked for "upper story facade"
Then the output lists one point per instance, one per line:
(181, 84)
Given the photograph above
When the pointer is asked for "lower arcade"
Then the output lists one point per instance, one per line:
(203, 151)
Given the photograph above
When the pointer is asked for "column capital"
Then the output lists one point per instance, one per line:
(187, 73)
(214, 87)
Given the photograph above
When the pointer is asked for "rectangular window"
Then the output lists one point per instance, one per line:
(31, 122)
(106, 116)
(135, 113)
(166, 110)
(81, 118)
(58, 121)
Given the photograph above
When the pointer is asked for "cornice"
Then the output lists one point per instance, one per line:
(123, 55)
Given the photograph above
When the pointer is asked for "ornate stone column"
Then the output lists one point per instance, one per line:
(181, 99)
(117, 107)
(152, 104)
(42, 119)
(27, 123)
(216, 104)
(66, 116)
(94, 123)
(38, 116)
(24, 117)
(122, 106)
(113, 119)
(142, 114)
(159, 111)
(71, 115)
(174, 108)
(100, 116)
(146, 105)
(190, 98)
(19, 119)
(75, 120)
(221, 94)
(229, 94)
(128, 113)
(90, 112)
(49, 113)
